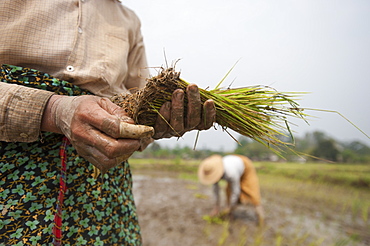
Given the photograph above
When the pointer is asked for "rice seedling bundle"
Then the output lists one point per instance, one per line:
(257, 112)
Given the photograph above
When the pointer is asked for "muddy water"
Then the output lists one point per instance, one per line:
(171, 212)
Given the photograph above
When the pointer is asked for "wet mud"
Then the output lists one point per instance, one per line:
(171, 212)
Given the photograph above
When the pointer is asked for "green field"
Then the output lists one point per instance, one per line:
(344, 185)
(345, 175)
(340, 190)
(348, 175)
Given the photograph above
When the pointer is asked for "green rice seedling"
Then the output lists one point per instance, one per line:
(258, 239)
(279, 240)
(213, 219)
(356, 206)
(225, 234)
(201, 196)
(258, 112)
(243, 236)
(365, 213)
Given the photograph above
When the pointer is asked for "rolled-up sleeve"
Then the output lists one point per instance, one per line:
(21, 110)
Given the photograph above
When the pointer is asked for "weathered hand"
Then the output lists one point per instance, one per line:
(176, 123)
(100, 131)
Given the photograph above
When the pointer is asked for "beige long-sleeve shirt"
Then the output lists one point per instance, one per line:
(95, 44)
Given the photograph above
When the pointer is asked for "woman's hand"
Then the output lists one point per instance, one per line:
(176, 123)
(100, 131)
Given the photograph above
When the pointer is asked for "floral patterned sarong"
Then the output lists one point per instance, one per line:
(94, 212)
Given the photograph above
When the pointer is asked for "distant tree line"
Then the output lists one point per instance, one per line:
(315, 146)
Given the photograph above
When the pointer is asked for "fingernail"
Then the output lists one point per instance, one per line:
(193, 89)
(180, 95)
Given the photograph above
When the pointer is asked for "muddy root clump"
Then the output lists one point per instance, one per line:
(143, 105)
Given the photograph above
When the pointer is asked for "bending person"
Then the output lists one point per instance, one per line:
(242, 182)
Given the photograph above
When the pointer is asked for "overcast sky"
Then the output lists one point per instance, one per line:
(315, 46)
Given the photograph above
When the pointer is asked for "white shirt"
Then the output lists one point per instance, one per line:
(233, 171)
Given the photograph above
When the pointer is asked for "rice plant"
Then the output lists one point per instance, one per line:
(258, 112)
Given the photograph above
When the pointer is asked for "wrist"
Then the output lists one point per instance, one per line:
(48, 118)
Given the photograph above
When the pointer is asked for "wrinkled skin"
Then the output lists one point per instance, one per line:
(92, 124)
(198, 117)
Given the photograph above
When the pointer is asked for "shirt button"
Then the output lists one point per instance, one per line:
(79, 30)
(70, 68)
(23, 135)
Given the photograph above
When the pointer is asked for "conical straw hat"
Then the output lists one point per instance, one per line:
(211, 170)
